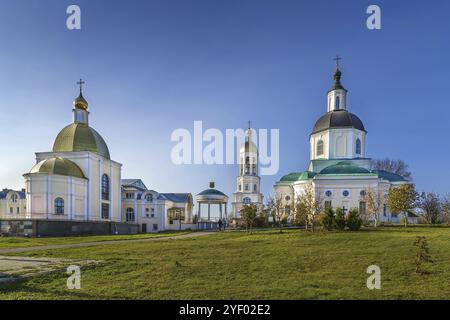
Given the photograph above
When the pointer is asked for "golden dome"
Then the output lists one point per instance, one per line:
(80, 137)
(80, 103)
(59, 166)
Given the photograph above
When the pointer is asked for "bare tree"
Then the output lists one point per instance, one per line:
(276, 208)
(446, 209)
(430, 203)
(374, 200)
(394, 166)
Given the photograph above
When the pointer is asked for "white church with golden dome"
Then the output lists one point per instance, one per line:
(77, 179)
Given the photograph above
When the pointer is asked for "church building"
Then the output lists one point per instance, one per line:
(339, 170)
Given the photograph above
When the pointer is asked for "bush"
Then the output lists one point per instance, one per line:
(328, 219)
(354, 221)
(339, 219)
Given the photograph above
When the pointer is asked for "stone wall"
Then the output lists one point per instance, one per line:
(50, 228)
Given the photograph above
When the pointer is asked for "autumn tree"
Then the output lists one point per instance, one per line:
(402, 199)
(309, 205)
(249, 214)
(374, 202)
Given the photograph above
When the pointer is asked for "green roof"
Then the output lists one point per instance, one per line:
(345, 167)
(298, 176)
(59, 166)
(393, 177)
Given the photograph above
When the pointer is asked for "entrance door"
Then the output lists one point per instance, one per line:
(144, 228)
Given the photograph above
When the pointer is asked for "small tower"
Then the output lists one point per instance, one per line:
(248, 181)
(337, 96)
(80, 107)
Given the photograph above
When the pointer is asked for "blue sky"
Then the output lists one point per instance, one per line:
(154, 66)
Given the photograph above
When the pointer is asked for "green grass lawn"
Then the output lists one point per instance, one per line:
(21, 242)
(264, 265)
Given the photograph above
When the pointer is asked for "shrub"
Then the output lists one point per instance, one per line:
(423, 254)
(339, 219)
(328, 219)
(354, 221)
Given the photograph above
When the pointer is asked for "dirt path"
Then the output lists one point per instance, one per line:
(100, 243)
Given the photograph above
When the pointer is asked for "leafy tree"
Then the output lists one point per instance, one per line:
(248, 214)
(394, 166)
(339, 219)
(431, 205)
(423, 254)
(402, 199)
(262, 218)
(354, 221)
(374, 200)
(328, 219)
(276, 208)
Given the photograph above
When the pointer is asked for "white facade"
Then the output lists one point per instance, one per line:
(155, 211)
(339, 171)
(13, 204)
(248, 183)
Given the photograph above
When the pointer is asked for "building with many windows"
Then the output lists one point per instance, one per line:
(155, 211)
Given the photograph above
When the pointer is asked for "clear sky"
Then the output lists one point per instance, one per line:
(154, 66)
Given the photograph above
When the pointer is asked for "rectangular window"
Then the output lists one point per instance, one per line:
(155, 227)
(18, 210)
(147, 210)
(11, 210)
(384, 210)
(129, 195)
(327, 205)
(105, 211)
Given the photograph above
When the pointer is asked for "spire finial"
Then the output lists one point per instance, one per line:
(337, 61)
(81, 82)
(249, 125)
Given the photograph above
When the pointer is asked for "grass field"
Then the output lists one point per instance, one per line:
(264, 265)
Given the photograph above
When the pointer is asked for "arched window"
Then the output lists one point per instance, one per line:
(358, 146)
(247, 200)
(59, 206)
(14, 198)
(338, 100)
(319, 148)
(105, 187)
(129, 216)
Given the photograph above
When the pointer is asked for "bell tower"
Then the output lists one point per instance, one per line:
(248, 181)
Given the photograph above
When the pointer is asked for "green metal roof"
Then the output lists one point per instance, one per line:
(80, 137)
(345, 167)
(393, 177)
(58, 166)
(298, 176)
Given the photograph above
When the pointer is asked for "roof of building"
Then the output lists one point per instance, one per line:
(59, 166)
(211, 192)
(338, 119)
(298, 176)
(135, 183)
(80, 137)
(175, 197)
(4, 193)
(344, 167)
(393, 177)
